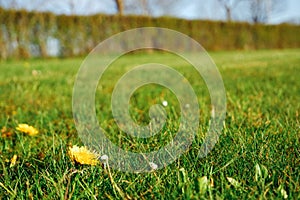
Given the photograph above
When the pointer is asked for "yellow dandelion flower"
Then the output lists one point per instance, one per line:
(29, 130)
(13, 161)
(82, 155)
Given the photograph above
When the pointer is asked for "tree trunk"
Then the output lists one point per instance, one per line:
(120, 6)
(228, 14)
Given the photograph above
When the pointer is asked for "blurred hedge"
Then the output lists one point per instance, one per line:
(28, 34)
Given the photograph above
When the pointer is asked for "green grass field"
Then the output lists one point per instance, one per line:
(257, 155)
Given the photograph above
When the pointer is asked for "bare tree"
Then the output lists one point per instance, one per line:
(165, 7)
(120, 6)
(19, 4)
(145, 7)
(66, 6)
(9, 4)
(137, 7)
(229, 5)
(260, 10)
(71, 5)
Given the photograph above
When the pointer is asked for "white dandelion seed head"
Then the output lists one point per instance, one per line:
(165, 103)
(104, 157)
(153, 165)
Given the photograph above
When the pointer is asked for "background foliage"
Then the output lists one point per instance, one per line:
(29, 34)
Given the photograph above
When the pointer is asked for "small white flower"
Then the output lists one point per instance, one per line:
(187, 105)
(165, 103)
(153, 165)
(104, 157)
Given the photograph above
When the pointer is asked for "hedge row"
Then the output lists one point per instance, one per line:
(29, 34)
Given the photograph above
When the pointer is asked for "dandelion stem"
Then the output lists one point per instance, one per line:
(115, 186)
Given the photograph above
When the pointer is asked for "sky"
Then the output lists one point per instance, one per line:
(188, 9)
(293, 11)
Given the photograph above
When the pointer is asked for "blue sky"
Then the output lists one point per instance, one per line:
(291, 11)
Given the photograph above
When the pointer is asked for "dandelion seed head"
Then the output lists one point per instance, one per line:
(165, 103)
(153, 165)
(104, 157)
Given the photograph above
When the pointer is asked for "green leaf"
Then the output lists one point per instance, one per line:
(203, 183)
(257, 172)
(261, 172)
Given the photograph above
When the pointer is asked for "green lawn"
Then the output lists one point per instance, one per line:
(257, 155)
